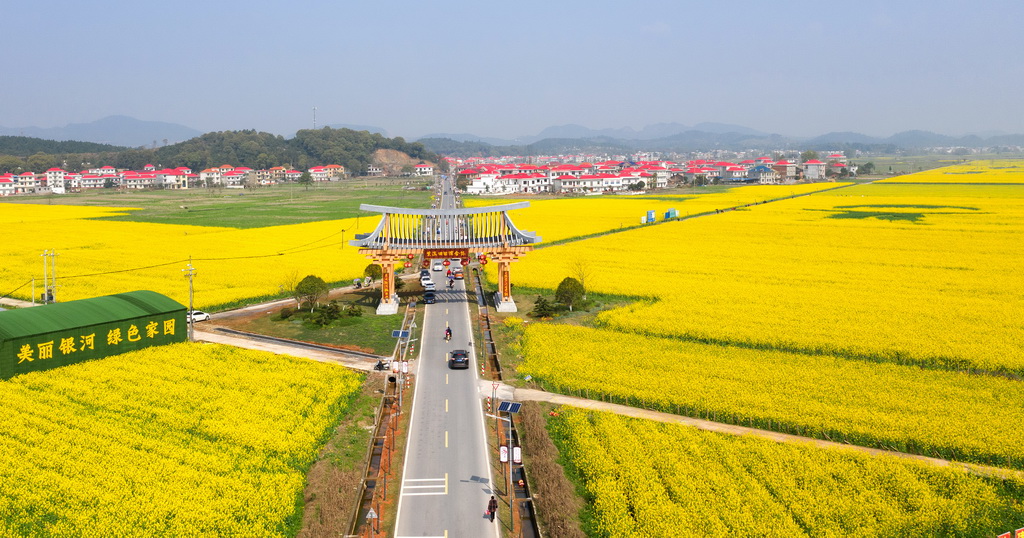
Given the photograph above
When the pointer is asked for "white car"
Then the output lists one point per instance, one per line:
(438, 266)
(429, 286)
(197, 315)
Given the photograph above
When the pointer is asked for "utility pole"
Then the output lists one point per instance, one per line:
(314, 118)
(49, 277)
(46, 279)
(189, 272)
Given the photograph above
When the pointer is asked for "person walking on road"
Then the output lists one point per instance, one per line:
(492, 507)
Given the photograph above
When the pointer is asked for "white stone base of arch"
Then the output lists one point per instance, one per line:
(504, 306)
(386, 309)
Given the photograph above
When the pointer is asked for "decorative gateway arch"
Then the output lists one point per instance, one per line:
(444, 233)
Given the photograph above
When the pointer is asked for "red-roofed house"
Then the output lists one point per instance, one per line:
(814, 170)
(336, 171)
(319, 173)
(91, 181)
(234, 179)
(26, 183)
(787, 171)
(211, 177)
(424, 170)
(6, 184)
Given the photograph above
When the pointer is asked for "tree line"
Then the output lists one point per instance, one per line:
(258, 150)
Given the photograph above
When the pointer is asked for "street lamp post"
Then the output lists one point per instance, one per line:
(511, 493)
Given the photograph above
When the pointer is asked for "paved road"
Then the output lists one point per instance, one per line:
(446, 480)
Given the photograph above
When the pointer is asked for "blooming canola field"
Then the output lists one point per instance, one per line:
(180, 440)
(564, 218)
(97, 257)
(989, 172)
(935, 412)
(644, 478)
(917, 274)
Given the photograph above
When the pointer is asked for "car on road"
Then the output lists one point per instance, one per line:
(458, 358)
(457, 274)
(429, 297)
(197, 315)
(429, 285)
(424, 273)
(438, 266)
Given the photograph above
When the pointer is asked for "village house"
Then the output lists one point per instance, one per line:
(814, 170)
(6, 184)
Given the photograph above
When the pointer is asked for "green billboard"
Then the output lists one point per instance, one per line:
(49, 336)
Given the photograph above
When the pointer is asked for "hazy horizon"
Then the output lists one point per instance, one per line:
(506, 71)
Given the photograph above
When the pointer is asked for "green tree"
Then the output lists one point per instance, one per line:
(12, 164)
(867, 168)
(569, 292)
(542, 308)
(373, 271)
(808, 155)
(310, 289)
(41, 162)
(306, 179)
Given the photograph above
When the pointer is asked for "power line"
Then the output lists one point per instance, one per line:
(8, 294)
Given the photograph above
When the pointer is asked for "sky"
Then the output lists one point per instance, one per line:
(509, 69)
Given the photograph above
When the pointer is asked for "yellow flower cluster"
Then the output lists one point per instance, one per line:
(181, 440)
(563, 218)
(994, 171)
(658, 480)
(921, 274)
(105, 257)
(932, 412)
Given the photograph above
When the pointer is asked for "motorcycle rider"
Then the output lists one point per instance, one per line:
(447, 333)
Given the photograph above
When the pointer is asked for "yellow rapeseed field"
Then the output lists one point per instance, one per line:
(924, 274)
(559, 219)
(181, 440)
(938, 413)
(649, 479)
(995, 171)
(104, 257)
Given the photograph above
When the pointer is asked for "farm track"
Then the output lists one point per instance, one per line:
(523, 394)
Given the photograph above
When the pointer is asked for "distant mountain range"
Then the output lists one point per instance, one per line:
(115, 130)
(131, 132)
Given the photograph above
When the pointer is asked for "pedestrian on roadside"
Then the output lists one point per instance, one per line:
(492, 507)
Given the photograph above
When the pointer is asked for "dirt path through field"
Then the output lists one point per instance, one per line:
(539, 395)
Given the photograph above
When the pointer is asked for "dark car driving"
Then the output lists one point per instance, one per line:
(429, 297)
(458, 358)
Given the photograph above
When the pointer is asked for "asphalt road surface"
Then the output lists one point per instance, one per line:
(447, 480)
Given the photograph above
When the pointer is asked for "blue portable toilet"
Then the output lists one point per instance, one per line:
(671, 214)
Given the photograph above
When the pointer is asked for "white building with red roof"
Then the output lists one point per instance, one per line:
(424, 170)
(814, 170)
(26, 183)
(319, 173)
(211, 176)
(6, 184)
(787, 171)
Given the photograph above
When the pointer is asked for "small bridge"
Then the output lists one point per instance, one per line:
(444, 233)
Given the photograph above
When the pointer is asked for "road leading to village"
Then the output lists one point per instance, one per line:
(446, 480)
